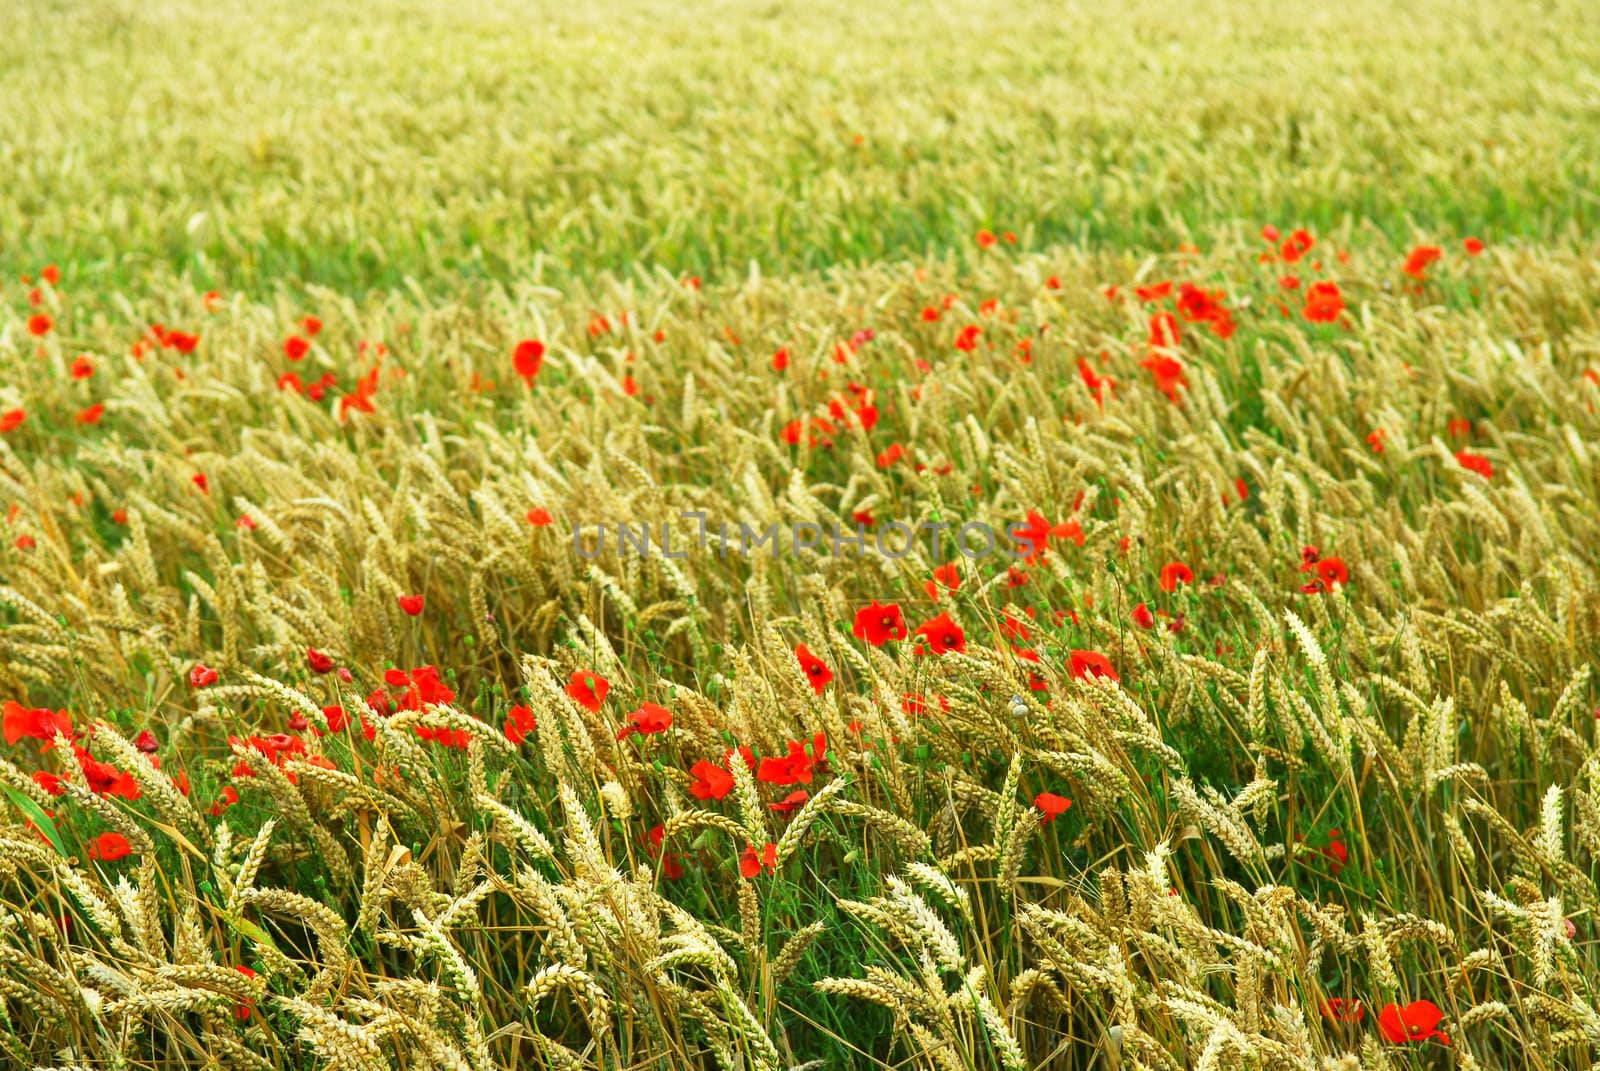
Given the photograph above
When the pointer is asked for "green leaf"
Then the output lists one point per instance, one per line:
(249, 929)
(36, 814)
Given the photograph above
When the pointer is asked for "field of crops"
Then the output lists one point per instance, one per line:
(755, 535)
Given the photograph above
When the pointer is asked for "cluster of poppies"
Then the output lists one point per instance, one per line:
(1330, 573)
(297, 347)
(842, 413)
(1400, 1024)
(1191, 304)
(1324, 303)
(878, 623)
(102, 778)
(47, 726)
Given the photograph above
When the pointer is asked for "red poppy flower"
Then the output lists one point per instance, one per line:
(1332, 571)
(1205, 306)
(1173, 574)
(108, 847)
(1013, 629)
(39, 723)
(91, 414)
(105, 779)
(146, 742)
(947, 576)
(588, 689)
(338, 720)
(39, 325)
(1324, 304)
(711, 782)
(519, 724)
(276, 747)
(411, 604)
(1052, 805)
(1035, 535)
(797, 766)
(11, 420)
(1340, 1010)
(1167, 372)
(943, 635)
(780, 360)
(1336, 851)
(793, 801)
(1096, 383)
(985, 238)
(967, 339)
(648, 719)
(1477, 463)
(1473, 246)
(200, 480)
(379, 700)
(877, 624)
(746, 755)
(1416, 264)
(527, 359)
(1153, 292)
(295, 348)
(48, 781)
(82, 367)
(457, 738)
(1296, 246)
(1417, 1021)
(751, 865)
(540, 518)
(1143, 617)
(422, 688)
(201, 676)
(671, 869)
(1164, 332)
(360, 399)
(311, 326)
(1087, 664)
(242, 1010)
(229, 797)
(319, 662)
(816, 670)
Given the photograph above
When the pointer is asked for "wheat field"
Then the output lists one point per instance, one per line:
(775, 536)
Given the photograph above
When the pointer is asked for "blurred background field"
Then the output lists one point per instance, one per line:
(357, 145)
